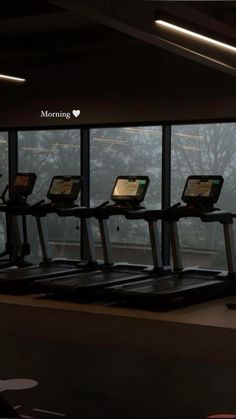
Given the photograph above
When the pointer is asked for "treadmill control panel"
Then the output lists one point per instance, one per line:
(64, 188)
(23, 184)
(202, 190)
(130, 189)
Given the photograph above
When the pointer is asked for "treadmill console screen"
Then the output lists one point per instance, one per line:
(23, 184)
(202, 189)
(64, 188)
(130, 188)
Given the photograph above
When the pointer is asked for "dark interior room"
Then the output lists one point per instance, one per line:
(117, 212)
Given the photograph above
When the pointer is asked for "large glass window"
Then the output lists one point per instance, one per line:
(126, 151)
(3, 181)
(204, 149)
(50, 153)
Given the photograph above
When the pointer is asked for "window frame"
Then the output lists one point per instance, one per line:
(85, 161)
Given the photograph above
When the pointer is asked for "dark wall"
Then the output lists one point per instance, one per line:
(134, 84)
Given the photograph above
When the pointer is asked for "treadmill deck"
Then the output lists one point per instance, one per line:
(170, 285)
(173, 290)
(87, 282)
(16, 278)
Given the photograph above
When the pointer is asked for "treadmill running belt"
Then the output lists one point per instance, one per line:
(170, 286)
(90, 281)
(14, 279)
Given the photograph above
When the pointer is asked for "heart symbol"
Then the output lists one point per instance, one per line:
(76, 112)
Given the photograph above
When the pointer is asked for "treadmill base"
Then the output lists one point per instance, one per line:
(172, 292)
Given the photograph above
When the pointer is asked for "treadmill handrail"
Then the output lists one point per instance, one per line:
(221, 216)
(151, 215)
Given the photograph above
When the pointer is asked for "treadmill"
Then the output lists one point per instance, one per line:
(15, 208)
(63, 191)
(186, 285)
(127, 194)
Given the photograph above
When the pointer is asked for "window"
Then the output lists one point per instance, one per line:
(126, 151)
(204, 149)
(3, 181)
(49, 153)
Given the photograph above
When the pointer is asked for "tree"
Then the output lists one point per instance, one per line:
(126, 151)
(204, 149)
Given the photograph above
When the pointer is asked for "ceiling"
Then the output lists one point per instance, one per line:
(110, 59)
(37, 33)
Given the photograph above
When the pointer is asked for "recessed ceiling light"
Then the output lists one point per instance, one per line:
(195, 35)
(11, 78)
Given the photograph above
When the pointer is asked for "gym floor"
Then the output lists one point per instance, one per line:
(93, 361)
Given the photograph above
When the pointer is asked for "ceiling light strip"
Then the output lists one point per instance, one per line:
(188, 147)
(5, 77)
(195, 35)
(142, 130)
(192, 136)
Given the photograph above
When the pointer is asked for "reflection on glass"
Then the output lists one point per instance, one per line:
(3, 181)
(50, 153)
(206, 149)
(126, 151)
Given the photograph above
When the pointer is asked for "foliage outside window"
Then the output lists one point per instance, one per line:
(204, 149)
(126, 151)
(49, 153)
